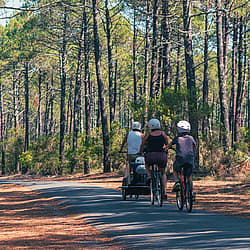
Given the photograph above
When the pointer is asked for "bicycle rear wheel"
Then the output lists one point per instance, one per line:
(180, 198)
(124, 191)
(152, 191)
(159, 190)
(189, 198)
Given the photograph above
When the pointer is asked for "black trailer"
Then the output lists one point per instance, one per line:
(137, 185)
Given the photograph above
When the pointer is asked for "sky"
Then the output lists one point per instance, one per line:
(4, 13)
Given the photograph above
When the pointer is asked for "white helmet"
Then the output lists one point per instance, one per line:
(136, 125)
(140, 160)
(154, 124)
(183, 127)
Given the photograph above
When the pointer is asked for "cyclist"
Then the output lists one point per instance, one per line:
(155, 153)
(185, 145)
(133, 139)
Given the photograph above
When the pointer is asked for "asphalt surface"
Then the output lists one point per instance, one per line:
(138, 225)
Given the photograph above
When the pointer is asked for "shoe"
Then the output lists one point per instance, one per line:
(176, 187)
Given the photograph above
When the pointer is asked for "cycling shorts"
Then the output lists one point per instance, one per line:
(159, 158)
(187, 168)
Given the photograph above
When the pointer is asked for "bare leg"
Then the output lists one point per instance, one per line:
(148, 170)
(164, 178)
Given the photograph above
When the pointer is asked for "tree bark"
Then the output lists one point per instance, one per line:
(154, 64)
(205, 74)
(63, 92)
(39, 118)
(87, 85)
(234, 75)
(101, 95)
(190, 73)
(2, 129)
(110, 65)
(166, 34)
(26, 112)
(221, 78)
(178, 59)
(134, 58)
(240, 84)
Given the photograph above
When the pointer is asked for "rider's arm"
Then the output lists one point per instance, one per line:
(143, 143)
(167, 147)
(124, 141)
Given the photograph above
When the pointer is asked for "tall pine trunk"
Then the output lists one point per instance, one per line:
(101, 95)
(134, 58)
(110, 64)
(234, 74)
(222, 79)
(154, 63)
(26, 111)
(2, 129)
(63, 92)
(87, 85)
(190, 72)
(240, 84)
(205, 125)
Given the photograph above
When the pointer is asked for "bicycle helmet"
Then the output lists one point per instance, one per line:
(154, 124)
(183, 127)
(136, 125)
(140, 160)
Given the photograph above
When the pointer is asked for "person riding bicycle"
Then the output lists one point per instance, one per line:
(185, 145)
(133, 139)
(155, 153)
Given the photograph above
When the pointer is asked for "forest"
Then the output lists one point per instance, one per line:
(75, 74)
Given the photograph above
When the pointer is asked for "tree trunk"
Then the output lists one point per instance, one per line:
(63, 92)
(154, 70)
(39, 119)
(46, 113)
(240, 85)
(146, 56)
(222, 80)
(134, 58)
(205, 77)
(101, 95)
(190, 72)
(78, 83)
(26, 112)
(51, 120)
(87, 85)
(166, 34)
(178, 59)
(14, 95)
(1, 132)
(234, 74)
(110, 65)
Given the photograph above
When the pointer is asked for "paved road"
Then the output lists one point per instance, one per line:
(142, 226)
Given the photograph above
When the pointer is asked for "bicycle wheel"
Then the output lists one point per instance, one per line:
(180, 198)
(159, 189)
(124, 193)
(189, 198)
(152, 190)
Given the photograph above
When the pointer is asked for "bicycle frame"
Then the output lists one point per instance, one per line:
(184, 195)
(156, 185)
(183, 184)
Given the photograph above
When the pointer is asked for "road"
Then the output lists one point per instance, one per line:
(141, 226)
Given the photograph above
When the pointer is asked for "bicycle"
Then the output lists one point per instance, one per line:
(184, 194)
(156, 186)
